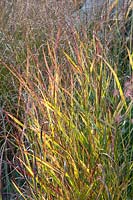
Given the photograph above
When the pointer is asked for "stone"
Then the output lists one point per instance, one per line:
(95, 9)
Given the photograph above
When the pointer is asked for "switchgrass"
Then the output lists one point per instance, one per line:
(67, 129)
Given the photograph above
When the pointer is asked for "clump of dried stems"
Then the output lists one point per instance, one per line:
(66, 117)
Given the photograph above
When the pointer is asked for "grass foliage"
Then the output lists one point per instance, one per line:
(66, 116)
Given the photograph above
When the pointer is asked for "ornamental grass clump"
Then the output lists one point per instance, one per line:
(67, 133)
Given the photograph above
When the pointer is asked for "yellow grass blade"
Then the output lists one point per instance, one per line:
(117, 82)
(16, 187)
(130, 58)
(73, 64)
(28, 168)
(16, 120)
